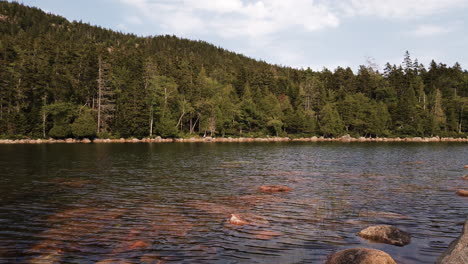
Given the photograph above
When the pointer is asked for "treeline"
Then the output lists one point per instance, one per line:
(69, 79)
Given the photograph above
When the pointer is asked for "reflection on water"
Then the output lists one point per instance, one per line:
(162, 203)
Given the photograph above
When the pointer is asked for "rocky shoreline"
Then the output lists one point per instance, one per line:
(346, 138)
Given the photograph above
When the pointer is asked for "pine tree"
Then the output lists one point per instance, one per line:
(331, 124)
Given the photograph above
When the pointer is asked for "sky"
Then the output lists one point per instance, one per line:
(295, 33)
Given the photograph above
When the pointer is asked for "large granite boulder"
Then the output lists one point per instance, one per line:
(386, 234)
(457, 252)
(360, 256)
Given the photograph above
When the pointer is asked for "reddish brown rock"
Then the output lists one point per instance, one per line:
(266, 234)
(151, 259)
(457, 252)
(139, 244)
(241, 219)
(245, 202)
(360, 256)
(465, 177)
(274, 188)
(52, 256)
(236, 220)
(466, 167)
(386, 234)
(462, 193)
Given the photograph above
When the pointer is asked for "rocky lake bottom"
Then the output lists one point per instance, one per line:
(204, 203)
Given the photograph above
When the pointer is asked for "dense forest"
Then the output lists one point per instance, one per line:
(70, 79)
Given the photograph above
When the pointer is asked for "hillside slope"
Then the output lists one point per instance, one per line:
(64, 79)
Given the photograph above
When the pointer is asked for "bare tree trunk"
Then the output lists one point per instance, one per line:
(180, 119)
(43, 125)
(151, 122)
(212, 125)
(424, 104)
(192, 128)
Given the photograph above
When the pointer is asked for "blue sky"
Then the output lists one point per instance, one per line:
(297, 33)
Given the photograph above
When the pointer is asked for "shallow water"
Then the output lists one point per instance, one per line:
(163, 203)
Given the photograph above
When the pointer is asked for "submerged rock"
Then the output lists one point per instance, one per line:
(386, 234)
(457, 252)
(241, 219)
(274, 188)
(151, 259)
(236, 220)
(266, 234)
(462, 192)
(139, 244)
(50, 257)
(360, 256)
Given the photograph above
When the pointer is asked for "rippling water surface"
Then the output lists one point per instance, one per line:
(163, 203)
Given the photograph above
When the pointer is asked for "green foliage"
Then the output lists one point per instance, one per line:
(85, 125)
(166, 127)
(331, 124)
(168, 86)
(61, 131)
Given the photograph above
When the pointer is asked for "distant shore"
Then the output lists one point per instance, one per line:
(229, 139)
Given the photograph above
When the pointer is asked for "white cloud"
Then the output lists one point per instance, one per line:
(234, 18)
(257, 27)
(405, 9)
(430, 30)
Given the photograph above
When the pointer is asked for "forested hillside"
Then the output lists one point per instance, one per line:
(70, 79)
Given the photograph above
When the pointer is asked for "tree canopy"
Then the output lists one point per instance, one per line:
(70, 79)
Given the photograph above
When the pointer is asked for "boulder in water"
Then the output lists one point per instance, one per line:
(386, 234)
(462, 193)
(360, 256)
(457, 252)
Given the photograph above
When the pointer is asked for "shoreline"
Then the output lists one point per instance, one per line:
(229, 139)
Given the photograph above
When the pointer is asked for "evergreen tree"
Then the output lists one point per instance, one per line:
(331, 124)
(56, 74)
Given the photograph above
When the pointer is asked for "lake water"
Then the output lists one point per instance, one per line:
(163, 203)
